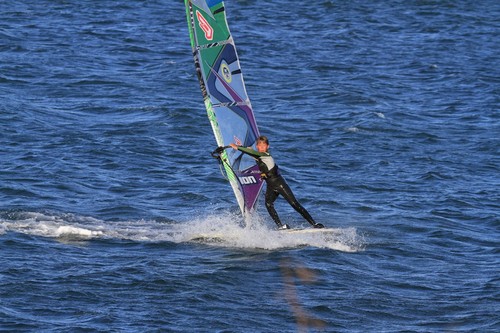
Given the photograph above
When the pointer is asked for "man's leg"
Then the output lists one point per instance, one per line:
(287, 193)
(271, 197)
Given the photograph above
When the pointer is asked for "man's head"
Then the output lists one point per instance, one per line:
(262, 144)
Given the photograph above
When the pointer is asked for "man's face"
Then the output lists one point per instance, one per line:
(262, 146)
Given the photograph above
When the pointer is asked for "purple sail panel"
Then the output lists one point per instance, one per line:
(251, 185)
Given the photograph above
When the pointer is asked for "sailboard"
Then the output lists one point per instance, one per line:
(312, 231)
(226, 101)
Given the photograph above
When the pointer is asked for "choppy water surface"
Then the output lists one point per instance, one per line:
(384, 118)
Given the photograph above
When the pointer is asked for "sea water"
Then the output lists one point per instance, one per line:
(383, 116)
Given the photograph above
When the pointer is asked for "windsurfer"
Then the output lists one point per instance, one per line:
(276, 184)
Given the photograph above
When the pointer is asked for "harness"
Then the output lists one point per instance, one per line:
(267, 173)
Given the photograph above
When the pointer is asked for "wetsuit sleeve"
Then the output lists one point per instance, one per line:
(251, 152)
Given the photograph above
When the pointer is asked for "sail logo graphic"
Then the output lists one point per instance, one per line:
(248, 180)
(226, 72)
(205, 26)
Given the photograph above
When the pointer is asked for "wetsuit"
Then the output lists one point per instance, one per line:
(276, 185)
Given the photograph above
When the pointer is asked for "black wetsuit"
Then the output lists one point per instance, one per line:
(276, 185)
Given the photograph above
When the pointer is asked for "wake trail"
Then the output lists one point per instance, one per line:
(221, 229)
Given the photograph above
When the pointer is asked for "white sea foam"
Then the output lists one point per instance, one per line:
(220, 229)
(69, 230)
(47, 225)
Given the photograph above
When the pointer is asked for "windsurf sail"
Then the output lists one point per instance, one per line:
(228, 106)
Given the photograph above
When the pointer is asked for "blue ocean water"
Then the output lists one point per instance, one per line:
(384, 117)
